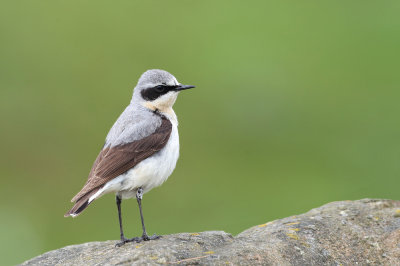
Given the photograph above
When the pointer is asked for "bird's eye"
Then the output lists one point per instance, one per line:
(160, 88)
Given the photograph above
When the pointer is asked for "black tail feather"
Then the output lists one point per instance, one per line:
(81, 204)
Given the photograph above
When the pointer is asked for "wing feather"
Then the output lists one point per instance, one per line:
(114, 161)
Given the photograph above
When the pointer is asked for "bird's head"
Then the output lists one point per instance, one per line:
(157, 90)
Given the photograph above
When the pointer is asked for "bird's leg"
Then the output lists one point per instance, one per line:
(145, 237)
(123, 239)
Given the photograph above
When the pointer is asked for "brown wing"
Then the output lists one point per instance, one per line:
(114, 161)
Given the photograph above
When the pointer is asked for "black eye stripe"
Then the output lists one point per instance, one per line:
(161, 88)
(153, 93)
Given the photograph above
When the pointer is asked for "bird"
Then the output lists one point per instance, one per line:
(140, 151)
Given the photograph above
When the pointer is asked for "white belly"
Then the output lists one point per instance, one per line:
(148, 174)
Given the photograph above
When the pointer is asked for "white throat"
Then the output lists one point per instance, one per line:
(164, 106)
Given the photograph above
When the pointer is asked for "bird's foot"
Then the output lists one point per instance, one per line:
(145, 237)
(127, 240)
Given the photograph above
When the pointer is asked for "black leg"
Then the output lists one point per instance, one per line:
(118, 200)
(123, 239)
(145, 237)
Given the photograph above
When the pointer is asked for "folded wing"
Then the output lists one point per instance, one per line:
(116, 160)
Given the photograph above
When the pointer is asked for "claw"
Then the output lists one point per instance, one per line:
(153, 237)
(147, 238)
(144, 237)
(121, 243)
(126, 240)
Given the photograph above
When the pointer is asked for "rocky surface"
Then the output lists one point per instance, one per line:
(364, 232)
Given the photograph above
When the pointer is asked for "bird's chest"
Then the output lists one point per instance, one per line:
(165, 160)
(155, 170)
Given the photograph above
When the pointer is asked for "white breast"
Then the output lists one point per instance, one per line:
(149, 173)
(155, 170)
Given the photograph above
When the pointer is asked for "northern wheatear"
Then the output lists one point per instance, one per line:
(141, 149)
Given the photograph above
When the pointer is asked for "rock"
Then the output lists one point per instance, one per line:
(339, 233)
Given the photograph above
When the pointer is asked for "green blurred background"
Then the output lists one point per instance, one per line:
(296, 105)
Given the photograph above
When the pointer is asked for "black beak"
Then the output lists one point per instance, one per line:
(184, 87)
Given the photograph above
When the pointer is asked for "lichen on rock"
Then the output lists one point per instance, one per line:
(339, 233)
